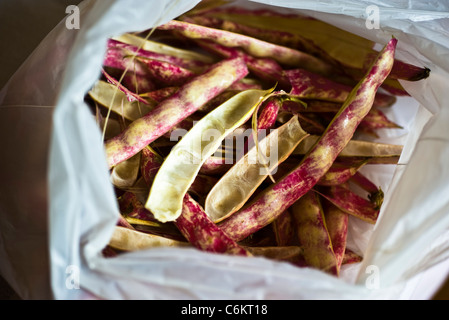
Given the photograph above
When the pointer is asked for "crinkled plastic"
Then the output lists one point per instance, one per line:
(58, 209)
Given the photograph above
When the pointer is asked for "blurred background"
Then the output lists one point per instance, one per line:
(23, 24)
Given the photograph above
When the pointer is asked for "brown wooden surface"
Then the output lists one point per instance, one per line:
(443, 292)
(6, 292)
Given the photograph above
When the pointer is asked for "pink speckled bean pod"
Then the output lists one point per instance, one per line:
(129, 94)
(218, 100)
(402, 70)
(150, 164)
(375, 193)
(351, 257)
(313, 106)
(291, 254)
(160, 94)
(190, 64)
(394, 87)
(264, 68)
(215, 165)
(283, 229)
(135, 216)
(351, 203)
(376, 119)
(122, 222)
(267, 118)
(274, 36)
(246, 85)
(363, 182)
(269, 113)
(250, 12)
(188, 99)
(279, 197)
(337, 226)
(340, 173)
(166, 74)
(203, 233)
(309, 85)
(313, 235)
(136, 83)
(163, 72)
(122, 60)
(131, 206)
(255, 47)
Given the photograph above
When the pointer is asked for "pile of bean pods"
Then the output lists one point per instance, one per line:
(243, 132)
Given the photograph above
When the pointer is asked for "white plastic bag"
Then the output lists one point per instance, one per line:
(409, 238)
